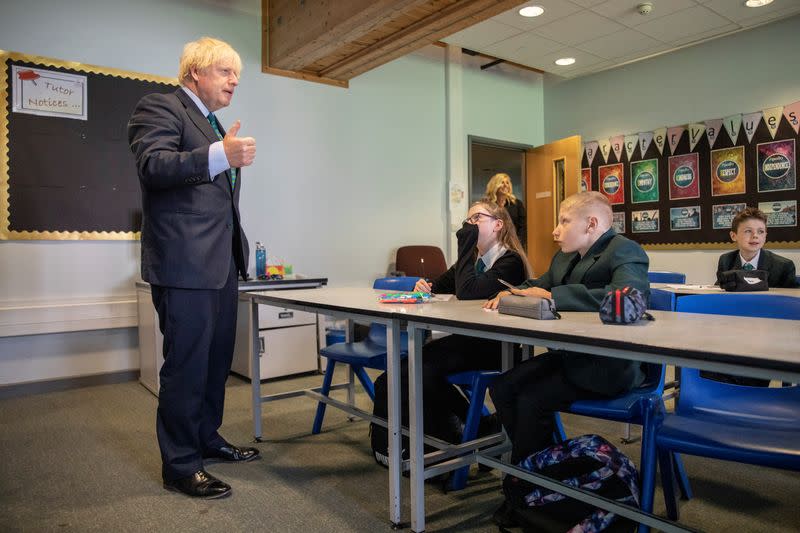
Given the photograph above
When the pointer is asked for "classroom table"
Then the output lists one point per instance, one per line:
(754, 347)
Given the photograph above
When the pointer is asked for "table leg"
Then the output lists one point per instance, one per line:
(255, 371)
(416, 429)
(351, 375)
(394, 421)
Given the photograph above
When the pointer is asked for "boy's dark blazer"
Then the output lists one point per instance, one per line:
(780, 269)
(612, 262)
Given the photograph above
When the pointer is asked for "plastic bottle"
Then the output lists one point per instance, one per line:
(261, 261)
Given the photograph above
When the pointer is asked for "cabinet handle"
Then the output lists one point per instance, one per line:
(261, 348)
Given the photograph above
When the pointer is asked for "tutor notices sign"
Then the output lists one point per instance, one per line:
(48, 93)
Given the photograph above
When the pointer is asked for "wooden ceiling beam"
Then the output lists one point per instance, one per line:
(310, 31)
(448, 21)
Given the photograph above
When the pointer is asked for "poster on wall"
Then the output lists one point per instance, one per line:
(728, 171)
(684, 176)
(780, 214)
(722, 214)
(776, 166)
(684, 218)
(644, 181)
(618, 222)
(586, 179)
(645, 221)
(611, 179)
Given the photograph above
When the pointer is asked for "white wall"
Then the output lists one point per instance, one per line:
(744, 72)
(342, 176)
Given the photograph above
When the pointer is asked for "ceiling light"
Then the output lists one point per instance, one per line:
(757, 3)
(564, 61)
(531, 11)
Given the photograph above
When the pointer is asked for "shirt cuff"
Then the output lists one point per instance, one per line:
(217, 160)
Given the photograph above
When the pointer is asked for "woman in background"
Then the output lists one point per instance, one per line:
(500, 191)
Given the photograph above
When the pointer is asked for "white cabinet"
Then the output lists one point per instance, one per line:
(287, 341)
(151, 342)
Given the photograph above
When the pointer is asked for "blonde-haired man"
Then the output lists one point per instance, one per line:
(193, 249)
(593, 260)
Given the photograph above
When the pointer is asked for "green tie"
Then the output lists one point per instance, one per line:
(213, 120)
(480, 266)
(748, 266)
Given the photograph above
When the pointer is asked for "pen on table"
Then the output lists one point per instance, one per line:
(510, 286)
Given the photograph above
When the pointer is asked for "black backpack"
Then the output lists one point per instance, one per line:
(589, 462)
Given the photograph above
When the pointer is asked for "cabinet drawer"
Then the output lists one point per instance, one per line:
(276, 317)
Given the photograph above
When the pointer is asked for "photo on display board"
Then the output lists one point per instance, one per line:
(611, 179)
(684, 176)
(684, 218)
(722, 214)
(646, 221)
(780, 213)
(644, 181)
(586, 179)
(618, 222)
(776, 166)
(728, 173)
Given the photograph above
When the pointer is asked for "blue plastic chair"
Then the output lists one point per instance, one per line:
(754, 425)
(661, 300)
(474, 385)
(369, 353)
(641, 406)
(664, 276)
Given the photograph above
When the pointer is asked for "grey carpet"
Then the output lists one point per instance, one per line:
(87, 460)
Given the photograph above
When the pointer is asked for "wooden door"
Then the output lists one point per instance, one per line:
(553, 172)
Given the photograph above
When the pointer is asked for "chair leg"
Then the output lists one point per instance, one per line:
(478, 394)
(683, 479)
(325, 391)
(667, 483)
(366, 382)
(647, 462)
(559, 435)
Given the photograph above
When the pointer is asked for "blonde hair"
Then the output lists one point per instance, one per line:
(206, 52)
(592, 202)
(495, 183)
(508, 235)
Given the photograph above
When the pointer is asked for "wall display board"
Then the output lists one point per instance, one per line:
(66, 171)
(680, 187)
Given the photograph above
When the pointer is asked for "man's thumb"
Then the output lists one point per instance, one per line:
(233, 131)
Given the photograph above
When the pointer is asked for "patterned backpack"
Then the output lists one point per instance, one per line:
(589, 462)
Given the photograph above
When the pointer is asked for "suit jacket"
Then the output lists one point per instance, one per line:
(780, 269)
(612, 262)
(190, 224)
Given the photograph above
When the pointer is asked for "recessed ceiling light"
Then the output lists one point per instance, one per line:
(531, 11)
(757, 3)
(564, 61)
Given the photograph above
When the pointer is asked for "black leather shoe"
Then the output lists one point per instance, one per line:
(232, 454)
(199, 485)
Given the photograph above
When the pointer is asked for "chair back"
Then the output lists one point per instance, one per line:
(421, 261)
(397, 283)
(661, 300)
(765, 406)
(742, 304)
(664, 276)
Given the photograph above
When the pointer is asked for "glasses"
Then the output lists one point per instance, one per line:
(474, 219)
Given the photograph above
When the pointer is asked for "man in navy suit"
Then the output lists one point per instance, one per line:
(193, 249)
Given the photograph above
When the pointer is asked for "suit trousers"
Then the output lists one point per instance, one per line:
(199, 328)
(526, 398)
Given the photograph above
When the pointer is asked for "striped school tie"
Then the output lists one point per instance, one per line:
(480, 266)
(214, 124)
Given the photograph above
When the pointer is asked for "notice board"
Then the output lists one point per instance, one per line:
(66, 170)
